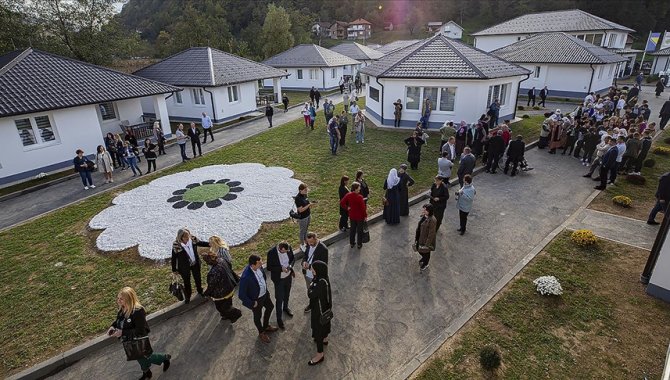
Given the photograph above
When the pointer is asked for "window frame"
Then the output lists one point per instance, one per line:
(198, 97)
(299, 74)
(435, 100)
(333, 73)
(502, 93)
(536, 72)
(36, 132)
(178, 98)
(235, 92)
(112, 108)
(371, 94)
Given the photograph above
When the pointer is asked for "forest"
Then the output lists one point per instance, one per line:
(89, 30)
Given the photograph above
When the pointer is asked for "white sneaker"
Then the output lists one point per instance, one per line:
(85, 187)
(111, 181)
(92, 186)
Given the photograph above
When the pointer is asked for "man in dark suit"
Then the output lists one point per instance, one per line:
(254, 295)
(515, 153)
(495, 151)
(439, 194)
(662, 198)
(466, 164)
(543, 96)
(531, 96)
(194, 134)
(607, 162)
(316, 251)
(280, 266)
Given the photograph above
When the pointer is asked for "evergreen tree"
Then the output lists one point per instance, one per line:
(277, 35)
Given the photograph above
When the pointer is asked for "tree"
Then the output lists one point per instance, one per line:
(301, 26)
(412, 20)
(277, 35)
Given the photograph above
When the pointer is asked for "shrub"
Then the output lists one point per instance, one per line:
(548, 286)
(636, 179)
(490, 357)
(537, 108)
(623, 201)
(525, 117)
(521, 108)
(652, 78)
(661, 151)
(666, 140)
(584, 238)
(649, 163)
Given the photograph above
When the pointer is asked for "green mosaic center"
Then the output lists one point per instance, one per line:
(205, 193)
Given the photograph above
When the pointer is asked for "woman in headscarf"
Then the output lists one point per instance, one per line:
(414, 144)
(461, 136)
(555, 136)
(320, 301)
(392, 198)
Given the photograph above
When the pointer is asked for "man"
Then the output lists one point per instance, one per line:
(543, 96)
(621, 150)
(590, 98)
(355, 205)
(317, 97)
(280, 266)
(254, 295)
(334, 132)
(312, 95)
(444, 166)
(531, 96)
(445, 130)
(601, 149)
(316, 251)
(328, 109)
(466, 165)
(633, 146)
(633, 93)
(194, 135)
(345, 101)
(662, 198)
(353, 110)
(439, 194)
(464, 198)
(639, 78)
(494, 112)
(406, 181)
(206, 122)
(664, 114)
(607, 163)
(496, 149)
(515, 154)
(644, 150)
(269, 112)
(341, 85)
(450, 148)
(343, 125)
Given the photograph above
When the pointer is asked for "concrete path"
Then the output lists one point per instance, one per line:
(28, 206)
(616, 228)
(387, 314)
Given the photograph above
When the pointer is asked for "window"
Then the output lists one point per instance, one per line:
(500, 92)
(447, 99)
(412, 98)
(107, 111)
(333, 73)
(35, 131)
(177, 98)
(232, 94)
(600, 72)
(198, 96)
(597, 39)
(613, 39)
(299, 74)
(313, 74)
(374, 94)
(536, 73)
(611, 73)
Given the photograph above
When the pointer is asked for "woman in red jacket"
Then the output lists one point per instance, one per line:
(354, 203)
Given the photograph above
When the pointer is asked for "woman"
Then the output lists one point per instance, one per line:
(110, 146)
(414, 144)
(344, 215)
(365, 189)
(306, 115)
(186, 262)
(397, 113)
(312, 115)
(659, 87)
(426, 109)
(303, 208)
(130, 324)
(129, 155)
(149, 154)
(392, 198)
(160, 137)
(462, 133)
(83, 166)
(119, 151)
(221, 283)
(424, 238)
(354, 203)
(181, 141)
(320, 301)
(104, 161)
(359, 127)
(555, 141)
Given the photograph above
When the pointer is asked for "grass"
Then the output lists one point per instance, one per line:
(35, 182)
(593, 330)
(643, 196)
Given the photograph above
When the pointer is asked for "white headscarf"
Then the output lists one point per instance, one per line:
(393, 179)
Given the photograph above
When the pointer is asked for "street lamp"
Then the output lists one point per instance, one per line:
(383, 24)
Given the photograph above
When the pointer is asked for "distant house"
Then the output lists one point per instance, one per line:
(568, 66)
(50, 106)
(321, 29)
(359, 29)
(359, 52)
(661, 61)
(221, 84)
(338, 30)
(460, 81)
(433, 26)
(452, 30)
(388, 26)
(309, 65)
(396, 45)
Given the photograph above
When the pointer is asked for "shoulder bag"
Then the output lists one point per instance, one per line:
(137, 348)
(326, 315)
(366, 233)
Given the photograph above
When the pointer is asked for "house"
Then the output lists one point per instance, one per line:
(359, 29)
(359, 52)
(433, 26)
(338, 30)
(583, 25)
(50, 106)
(451, 29)
(221, 84)
(630, 54)
(568, 66)
(310, 65)
(460, 80)
(661, 61)
(321, 29)
(396, 45)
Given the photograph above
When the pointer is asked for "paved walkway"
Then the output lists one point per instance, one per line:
(616, 228)
(31, 205)
(387, 314)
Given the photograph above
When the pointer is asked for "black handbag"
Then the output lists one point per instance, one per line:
(177, 289)
(137, 348)
(326, 315)
(366, 233)
(90, 165)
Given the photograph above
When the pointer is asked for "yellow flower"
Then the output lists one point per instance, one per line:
(622, 201)
(584, 238)
(663, 151)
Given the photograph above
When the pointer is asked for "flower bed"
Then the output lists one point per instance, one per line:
(661, 151)
(548, 286)
(584, 238)
(622, 200)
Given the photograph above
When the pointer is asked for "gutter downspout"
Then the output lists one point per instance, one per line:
(518, 87)
(382, 102)
(211, 96)
(323, 79)
(593, 73)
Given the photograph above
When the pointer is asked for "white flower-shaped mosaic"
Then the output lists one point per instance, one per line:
(231, 201)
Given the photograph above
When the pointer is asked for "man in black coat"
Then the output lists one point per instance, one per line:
(607, 162)
(316, 251)
(543, 96)
(634, 92)
(662, 198)
(439, 194)
(531, 96)
(194, 134)
(280, 265)
(495, 151)
(405, 182)
(664, 114)
(269, 112)
(515, 153)
(466, 165)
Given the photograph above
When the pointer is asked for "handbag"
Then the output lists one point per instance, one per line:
(137, 348)
(90, 165)
(327, 315)
(385, 201)
(366, 233)
(177, 288)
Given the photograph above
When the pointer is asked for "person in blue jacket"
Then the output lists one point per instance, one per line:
(254, 295)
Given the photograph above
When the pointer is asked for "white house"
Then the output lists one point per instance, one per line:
(451, 29)
(433, 26)
(309, 65)
(661, 61)
(583, 25)
(223, 85)
(461, 82)
(359, 29)
(359, 52)
(50, 106)
(568, 66)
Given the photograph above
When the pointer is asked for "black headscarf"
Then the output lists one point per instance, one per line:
(321, 270)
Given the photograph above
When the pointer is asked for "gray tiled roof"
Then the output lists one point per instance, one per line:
(440, 57)
(203, 66)
(34, 81)
(572, 20)
(309, 55)
(665, 51)
(556, 47)
(357, 51)
(396, 45)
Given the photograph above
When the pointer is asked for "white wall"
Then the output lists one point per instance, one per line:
(565, 79)
(661, 63)
(620, 42)
(490, 43)
(451, 31)
(246, 100)
(292, 82)
(659, 283)
(75, 128)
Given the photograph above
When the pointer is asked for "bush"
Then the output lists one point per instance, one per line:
(661, 151)
(490, 357)
(537, 108)
(652, 78)
(548, 286)
(622, 200)
(584, 238)
(521, 108)
(636, 179)
(649, 163)
(666, 140)
(525, 116)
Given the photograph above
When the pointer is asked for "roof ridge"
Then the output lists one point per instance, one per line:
(582, 45)
(15, 60)
(318, 50)
(398, 62)
(466, 60)
(211, 66)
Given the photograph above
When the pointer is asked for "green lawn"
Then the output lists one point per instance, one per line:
(35, 182)
(599, 328)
